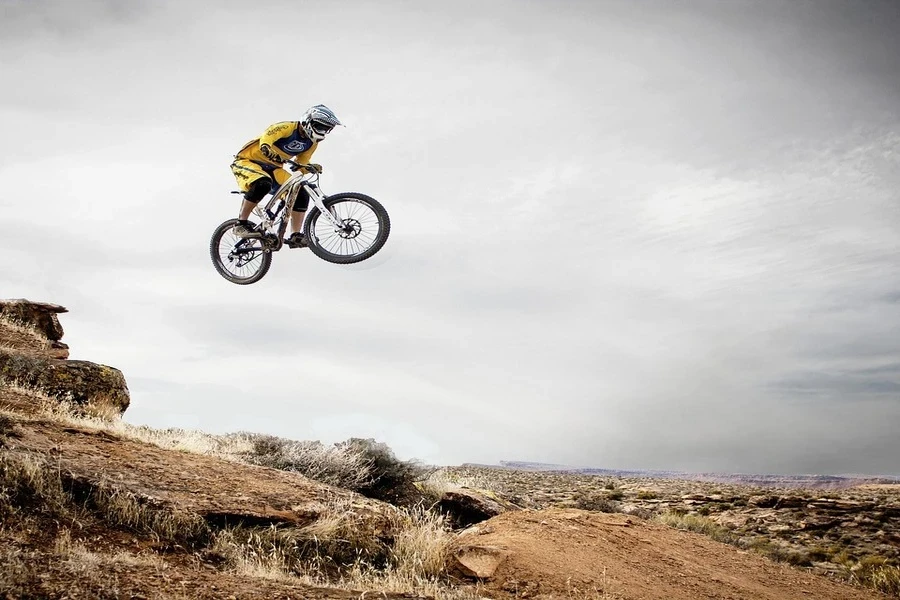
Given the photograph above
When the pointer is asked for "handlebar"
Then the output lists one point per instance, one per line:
(298, 166)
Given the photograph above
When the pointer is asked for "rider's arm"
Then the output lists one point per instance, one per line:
(304, 157)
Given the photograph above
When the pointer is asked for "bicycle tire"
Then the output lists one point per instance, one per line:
(215, 254)
(381, 215)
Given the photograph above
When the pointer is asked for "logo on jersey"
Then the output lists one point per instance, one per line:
(270, 153)
(297, 146)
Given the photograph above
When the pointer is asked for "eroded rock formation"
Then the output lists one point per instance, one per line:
(34, 358)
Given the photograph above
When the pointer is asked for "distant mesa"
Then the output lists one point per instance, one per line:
(781, 481)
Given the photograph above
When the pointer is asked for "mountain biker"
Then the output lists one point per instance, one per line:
(258, 166)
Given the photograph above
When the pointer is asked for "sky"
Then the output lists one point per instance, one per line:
(639, 235)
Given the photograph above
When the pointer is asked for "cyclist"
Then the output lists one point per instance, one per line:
(258, 166)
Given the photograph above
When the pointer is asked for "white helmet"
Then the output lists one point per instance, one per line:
(318, 121)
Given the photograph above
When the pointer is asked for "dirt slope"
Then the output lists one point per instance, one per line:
(216, 490)
(553, 553)
(572, 553)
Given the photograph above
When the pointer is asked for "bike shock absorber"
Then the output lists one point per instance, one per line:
(272, 213)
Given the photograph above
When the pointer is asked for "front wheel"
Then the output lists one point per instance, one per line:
(238, 260)
(363, 228)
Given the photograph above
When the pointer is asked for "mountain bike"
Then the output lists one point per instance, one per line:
(343, 228)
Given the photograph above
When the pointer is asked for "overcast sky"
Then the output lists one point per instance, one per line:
(626, 234)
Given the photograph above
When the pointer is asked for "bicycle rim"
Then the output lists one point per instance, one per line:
(365, 229)
(238, 260)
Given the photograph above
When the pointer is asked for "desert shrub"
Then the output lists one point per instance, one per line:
(792, 556)
(874, 572)
(595, 502)
(362, 465)
(610, 485)
(820, 554)
(615, 495)
(845, 558)
(390, 479)
(646, 495)
(697, 524)
(885, 579)
(641, 513)
(778, 552)
(339, 465)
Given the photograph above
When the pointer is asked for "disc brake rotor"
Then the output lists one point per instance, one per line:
(351, 228)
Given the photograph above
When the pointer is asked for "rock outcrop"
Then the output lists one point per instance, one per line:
(467, 507)
(33, 357)
(39, 315)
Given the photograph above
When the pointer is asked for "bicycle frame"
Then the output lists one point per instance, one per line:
(287, 193)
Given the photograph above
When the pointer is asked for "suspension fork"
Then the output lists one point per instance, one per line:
(318, 198)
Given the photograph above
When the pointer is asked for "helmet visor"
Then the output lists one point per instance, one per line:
(321, 128)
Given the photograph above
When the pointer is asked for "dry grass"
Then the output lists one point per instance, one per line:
(695, 523)
(338, 465)
(415, 562)
(870, 572)
(329, 547)
(874, 573)
(442, 481)
(28, 482)
(334, 550)
(77, 554)
(123, 509)
(421, 546)
(27, 329)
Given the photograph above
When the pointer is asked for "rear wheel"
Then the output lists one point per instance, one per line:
(238, 260)
(364, 228)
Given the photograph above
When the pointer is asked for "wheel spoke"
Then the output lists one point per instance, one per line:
(238, 266)
(357, 216)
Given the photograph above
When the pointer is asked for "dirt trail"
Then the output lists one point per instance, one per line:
(579, 554)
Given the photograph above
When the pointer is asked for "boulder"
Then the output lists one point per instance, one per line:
(466, 507)
(476, 562)
(40, 315)
(82, 383)
(58, 350)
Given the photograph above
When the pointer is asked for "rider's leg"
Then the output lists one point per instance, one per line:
(256, 191)
(297, 239)
(247, 208)
(297, 221)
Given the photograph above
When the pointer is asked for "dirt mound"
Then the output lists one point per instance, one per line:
(574, 553)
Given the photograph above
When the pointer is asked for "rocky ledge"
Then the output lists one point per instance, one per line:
(33, 357)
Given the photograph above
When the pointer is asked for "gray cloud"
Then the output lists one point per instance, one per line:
(625, 235)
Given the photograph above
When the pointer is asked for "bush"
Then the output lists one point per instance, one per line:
(596, 502)
(885, 579)
(390, 479)
(338, 465)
